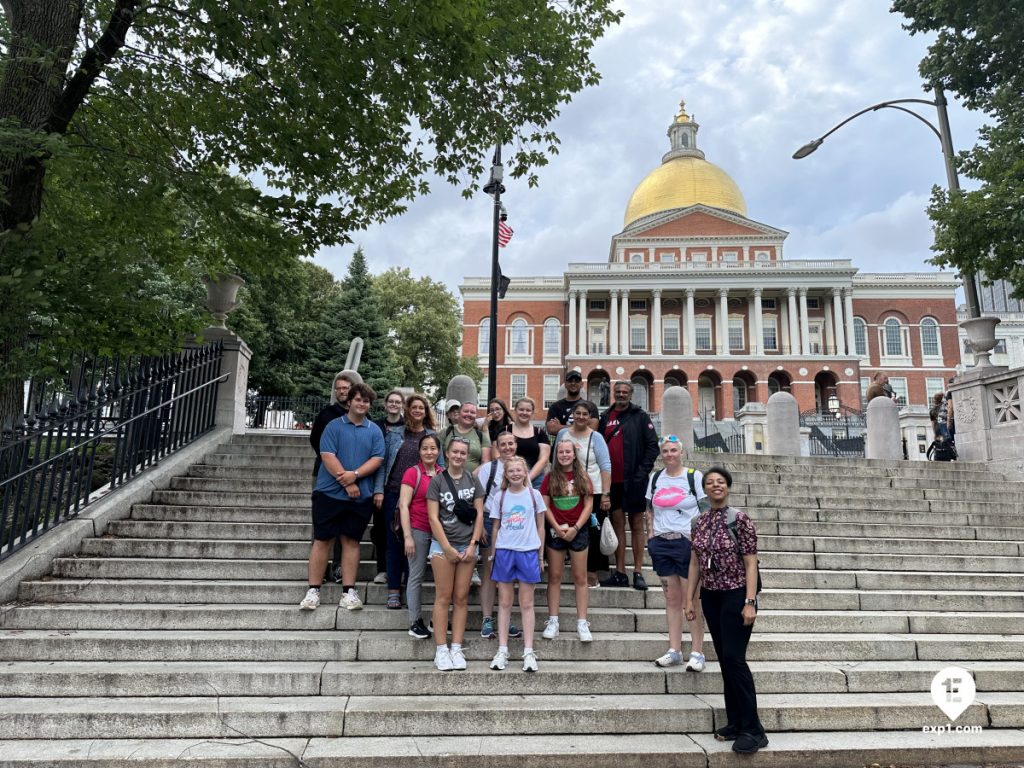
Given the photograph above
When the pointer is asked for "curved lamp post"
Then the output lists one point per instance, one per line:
(942, 133)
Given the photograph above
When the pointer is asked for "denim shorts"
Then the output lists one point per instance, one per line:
(511, 565)
(435, 549)
(670, 557)
(578, 544)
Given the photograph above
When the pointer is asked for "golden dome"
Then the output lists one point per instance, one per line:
(682, 182)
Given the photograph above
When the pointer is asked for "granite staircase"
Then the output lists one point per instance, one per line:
(175, 639)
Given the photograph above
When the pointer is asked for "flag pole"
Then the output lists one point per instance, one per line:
(492, 348)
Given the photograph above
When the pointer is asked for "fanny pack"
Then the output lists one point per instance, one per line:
(464, 511)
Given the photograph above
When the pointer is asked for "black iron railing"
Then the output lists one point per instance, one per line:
(98, 422)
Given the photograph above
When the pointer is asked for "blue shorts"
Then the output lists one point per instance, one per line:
(511, 565)
(670, 557)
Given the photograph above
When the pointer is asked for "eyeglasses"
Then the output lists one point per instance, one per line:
(669, 439)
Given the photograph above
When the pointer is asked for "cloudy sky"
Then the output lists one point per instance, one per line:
(761, 77)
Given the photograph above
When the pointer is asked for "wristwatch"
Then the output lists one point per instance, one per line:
(751, 601)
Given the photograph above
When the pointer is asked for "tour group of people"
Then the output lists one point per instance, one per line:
(497, 501)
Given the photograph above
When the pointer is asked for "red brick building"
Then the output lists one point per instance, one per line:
(696, 294)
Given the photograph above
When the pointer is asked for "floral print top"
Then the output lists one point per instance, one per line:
(721, 566)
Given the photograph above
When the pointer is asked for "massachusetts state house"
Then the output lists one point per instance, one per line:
(696, 294)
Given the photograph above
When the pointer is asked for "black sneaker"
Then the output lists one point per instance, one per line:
(638, 582)
(748, 744)
(727, 733)
(418, 630)
(616, 579)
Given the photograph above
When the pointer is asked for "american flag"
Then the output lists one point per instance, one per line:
(504, 233)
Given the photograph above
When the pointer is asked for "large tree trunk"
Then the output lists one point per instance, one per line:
(31, 87)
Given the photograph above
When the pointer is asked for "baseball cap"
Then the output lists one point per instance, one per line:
(573, 375)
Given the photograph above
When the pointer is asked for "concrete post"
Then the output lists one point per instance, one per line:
(677, 416)
(883, 438)
(461, 388)
(783, 416)
(231, 393)
(752, 418)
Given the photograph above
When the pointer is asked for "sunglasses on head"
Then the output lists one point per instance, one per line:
(462, 440)
(669, 439)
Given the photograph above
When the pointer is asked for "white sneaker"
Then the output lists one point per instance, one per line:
(443, 659)
(529, 662)
(551, 628)
(380, 578)
(458, 659)
(311, 600)
(696, 662)
(583, 630)
(500, 660)
(351, 601)
(670, 659)
(475, 581)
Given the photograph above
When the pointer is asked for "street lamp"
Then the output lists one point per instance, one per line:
(494, 188)
(945, 139)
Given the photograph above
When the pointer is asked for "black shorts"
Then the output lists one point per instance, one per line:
(634, 503)
(578, 544)
(340, 517)
(670, 557)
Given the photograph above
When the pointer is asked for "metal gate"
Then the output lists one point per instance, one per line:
(835, 433)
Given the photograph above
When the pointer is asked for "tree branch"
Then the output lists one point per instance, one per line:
(93, 61)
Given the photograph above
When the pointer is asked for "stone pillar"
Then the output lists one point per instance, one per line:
(757, 333)
(784, 345)
(677, 416)
(230, 409)
(723, 321)
(837, 318)
(830, 348)
(783, 428)
(851, 346)
(794, 330)
(656, 322)
(693, 389)
(690, 335)
(624, 323)
(752, 418)
(883, 431)
(583, 350)
(613, 323)
(573, 333)
(805, 340)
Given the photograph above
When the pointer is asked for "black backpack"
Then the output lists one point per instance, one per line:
(941, 450)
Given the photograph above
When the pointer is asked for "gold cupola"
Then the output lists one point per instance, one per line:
(684, 178)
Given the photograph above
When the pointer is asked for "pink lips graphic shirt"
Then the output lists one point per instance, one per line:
(673, 505)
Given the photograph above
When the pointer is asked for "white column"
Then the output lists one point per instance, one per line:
(794, 330)
(757, 334)
(837, 318)
(656, 323)
(723, 321)
(851, 346)
(829, 336)
(573, 333)
(690, 336)
(624, 323)
(584, 351)
(613, 324)
(805, 341)
(783, 326)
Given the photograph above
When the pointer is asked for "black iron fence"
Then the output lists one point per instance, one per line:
(838, 433)
(716, 442)
(98, 422)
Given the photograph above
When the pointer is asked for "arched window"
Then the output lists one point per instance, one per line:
(552, 339)
(739, 394)
(773, 386)
(640, 398)
(483, 339)
(893, 338)
(930, 338)
(860, 337)
(519, 345)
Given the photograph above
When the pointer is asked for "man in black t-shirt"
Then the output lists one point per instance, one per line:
(560, 412)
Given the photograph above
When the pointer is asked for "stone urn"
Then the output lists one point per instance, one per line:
(981, 335)
(222, 297)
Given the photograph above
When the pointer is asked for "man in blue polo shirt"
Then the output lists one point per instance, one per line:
(351, 450)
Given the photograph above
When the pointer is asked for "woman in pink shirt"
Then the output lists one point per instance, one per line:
(412, 506)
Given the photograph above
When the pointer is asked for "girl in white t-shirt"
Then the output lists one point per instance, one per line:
(673, 503)
(517, 531)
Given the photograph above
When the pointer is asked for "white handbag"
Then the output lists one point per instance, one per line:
(609, 541)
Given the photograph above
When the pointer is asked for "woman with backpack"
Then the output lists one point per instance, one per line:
(673, 503)
(532, 443)
(465, 427)
(415, 526)
(498, 419)
(455, 509)
(724, 567)
(569, 499)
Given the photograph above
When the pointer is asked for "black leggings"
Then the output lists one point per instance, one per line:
(722, 612)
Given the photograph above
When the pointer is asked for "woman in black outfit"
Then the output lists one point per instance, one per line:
(724, 565)
(532, 443)
(498, 419)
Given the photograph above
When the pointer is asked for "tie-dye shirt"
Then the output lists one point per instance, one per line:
(673, 505)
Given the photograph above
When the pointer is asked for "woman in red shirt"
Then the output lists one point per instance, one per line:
(412, 506)
(569, 499)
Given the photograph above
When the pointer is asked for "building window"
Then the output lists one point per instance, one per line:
(598, 335)
(552, 339)
(899, 386)
(483, 342)
(933, 386)
(636, 258)
(519, 338)
(702, 333)
(771, 334)
(637, 334)
(731, 256)
(762, 256)
(736, 339)
(739, 394)
(865, 382)
(860, 337)
(516, 387)
(773, 386)
(638, 305)
(598, 305)
(892, 338)
(813, 302)
(699, 256)
(814, 338)
(670, 333)
(768, 304)
(1000, 347)
(551, 385)
(930, 338)
(667, 258)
